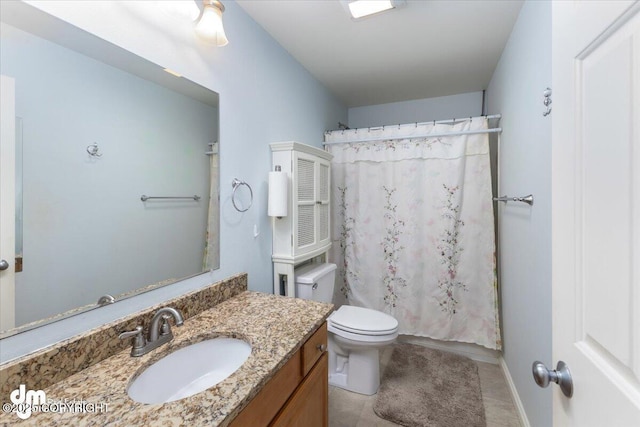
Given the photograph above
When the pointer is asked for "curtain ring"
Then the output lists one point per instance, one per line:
(236, 183)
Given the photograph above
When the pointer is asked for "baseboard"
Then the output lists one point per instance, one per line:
(522, 415)
(472, 351)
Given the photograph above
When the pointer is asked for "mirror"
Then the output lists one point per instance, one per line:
(97, 130)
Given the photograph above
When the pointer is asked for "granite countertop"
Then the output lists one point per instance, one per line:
(275, 326)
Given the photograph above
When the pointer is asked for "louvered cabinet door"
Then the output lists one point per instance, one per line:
(305, 192)
(312, 177)
(322, 201)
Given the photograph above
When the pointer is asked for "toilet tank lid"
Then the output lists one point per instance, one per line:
(309, 274)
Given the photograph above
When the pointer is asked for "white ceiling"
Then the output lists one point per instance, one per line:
(425, 49)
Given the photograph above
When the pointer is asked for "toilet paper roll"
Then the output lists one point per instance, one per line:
(278, 193)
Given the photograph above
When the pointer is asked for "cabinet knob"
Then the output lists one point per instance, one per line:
(321, 347)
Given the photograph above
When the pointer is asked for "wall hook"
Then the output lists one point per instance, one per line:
(94, 150)
(547, 101)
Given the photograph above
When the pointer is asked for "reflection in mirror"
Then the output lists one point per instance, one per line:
(94, 139)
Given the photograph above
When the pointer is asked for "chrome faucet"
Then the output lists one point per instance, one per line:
(165, 329)
(159, 332)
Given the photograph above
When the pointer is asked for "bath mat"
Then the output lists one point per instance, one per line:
(426, 387)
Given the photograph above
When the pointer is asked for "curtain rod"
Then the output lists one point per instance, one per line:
(432, 135)
(435, 122)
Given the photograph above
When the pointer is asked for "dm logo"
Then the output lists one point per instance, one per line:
(25, 400)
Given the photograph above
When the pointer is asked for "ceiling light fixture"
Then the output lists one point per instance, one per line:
(362, 8)
(210, 27)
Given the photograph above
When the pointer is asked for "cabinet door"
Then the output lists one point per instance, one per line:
(311, 200)
(309, 405)
(265, 406)
(323, 178)
(305, 232)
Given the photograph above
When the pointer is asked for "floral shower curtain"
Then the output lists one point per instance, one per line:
(413, 229)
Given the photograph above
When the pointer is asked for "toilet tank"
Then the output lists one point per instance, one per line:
(315, 282)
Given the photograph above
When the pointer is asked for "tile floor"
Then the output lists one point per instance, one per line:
(355, 410)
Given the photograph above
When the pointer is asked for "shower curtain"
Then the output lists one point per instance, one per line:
(413, 231)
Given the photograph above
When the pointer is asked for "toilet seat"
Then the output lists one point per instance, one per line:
(362, 321)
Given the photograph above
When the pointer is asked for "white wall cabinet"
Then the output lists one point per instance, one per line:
(305, 232)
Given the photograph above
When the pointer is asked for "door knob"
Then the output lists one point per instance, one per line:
(561, 376)
(4, 264)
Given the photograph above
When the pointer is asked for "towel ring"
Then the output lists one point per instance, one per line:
(236, 183)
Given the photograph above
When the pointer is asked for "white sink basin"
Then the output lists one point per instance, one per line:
(190, 370)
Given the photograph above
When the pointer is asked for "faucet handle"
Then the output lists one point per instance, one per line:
(138, 335)
(165, 327)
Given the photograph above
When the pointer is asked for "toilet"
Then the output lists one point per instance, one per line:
(355, 333)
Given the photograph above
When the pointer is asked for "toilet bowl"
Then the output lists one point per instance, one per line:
(355, 334)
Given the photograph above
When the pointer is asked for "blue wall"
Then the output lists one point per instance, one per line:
(515, 90)
(419, 110)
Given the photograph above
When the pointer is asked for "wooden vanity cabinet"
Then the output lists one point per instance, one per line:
(298, 395)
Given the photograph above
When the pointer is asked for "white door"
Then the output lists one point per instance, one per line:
(7, 202)
(596, 210)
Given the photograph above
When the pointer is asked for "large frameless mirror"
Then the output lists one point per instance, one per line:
(116, 171)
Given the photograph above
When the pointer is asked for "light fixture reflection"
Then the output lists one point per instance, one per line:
(210, 27)
(173, 73)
